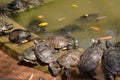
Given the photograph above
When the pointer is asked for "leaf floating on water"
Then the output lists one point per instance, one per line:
(95, 28)
(43, 24)
(61, 19)
(40, 16)
(106, 38)
(74, 5)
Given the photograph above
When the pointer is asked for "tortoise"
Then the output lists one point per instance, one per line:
(19, 36)
(46, 54)
(63, 42)
(4, 26)
(68, 60)
(91, 58)
(28, 55)
(111, 60)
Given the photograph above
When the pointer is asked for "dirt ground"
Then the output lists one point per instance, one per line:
(10, 70)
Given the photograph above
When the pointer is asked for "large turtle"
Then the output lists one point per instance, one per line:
(91, 58)
(111, 61)
(4, 26)
(19, 36)
(65, 41)
(46, 54)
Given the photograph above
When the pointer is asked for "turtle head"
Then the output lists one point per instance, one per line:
(108, 44)
(97, 43)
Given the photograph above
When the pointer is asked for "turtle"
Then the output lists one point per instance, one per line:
(111, 60)
(28, 55)
(68, 60)
(91, 58)
(46, 54)
(63, 42)
(20, 36)
(18, 5)
(4, 26)
(92, 17)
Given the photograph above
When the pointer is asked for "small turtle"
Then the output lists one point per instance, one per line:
(111, 60)
(91, 58)
(68, 60)
(63, 42)
(4, 26)
(28, 56)
(19, 36)
(46, 54)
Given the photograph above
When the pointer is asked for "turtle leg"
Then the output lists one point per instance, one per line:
(54, 68)
(92, 73)
(68, 72)
(110, 76)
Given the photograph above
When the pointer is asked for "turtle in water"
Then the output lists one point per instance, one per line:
(111, 59)
(63, 42)
(19, 36)
(90, 18)
(68, 60)
(46, 54)
(4, 26)
(91, 58)
(28, 55)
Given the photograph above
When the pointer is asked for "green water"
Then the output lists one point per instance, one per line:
(63, 9)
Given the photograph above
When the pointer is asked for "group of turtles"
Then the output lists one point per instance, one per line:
(62, 52)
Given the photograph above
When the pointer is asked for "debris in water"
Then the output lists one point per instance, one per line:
(61, 19)
(43, 24)
(40, 16)
(95, 28)
(74, 5)
(106, 38)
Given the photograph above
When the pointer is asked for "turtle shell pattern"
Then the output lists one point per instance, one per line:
(112, 60)
(45, 53)
(58, 41)
(90, 58)
(70, 59)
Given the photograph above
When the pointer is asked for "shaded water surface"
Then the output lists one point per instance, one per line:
(62, 13)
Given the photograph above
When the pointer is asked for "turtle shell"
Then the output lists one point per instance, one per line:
(70, 59)
(45, 53)
(61, 41)
(91, 57)
(19, 35)
(112, 59)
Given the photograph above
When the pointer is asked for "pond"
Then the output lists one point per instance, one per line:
(61, 13)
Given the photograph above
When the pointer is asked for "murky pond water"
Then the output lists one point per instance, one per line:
(69, 11)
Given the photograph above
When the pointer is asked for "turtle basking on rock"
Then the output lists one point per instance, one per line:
(63, 42)
(111, 59)
(90, 58)
(4, 26)
(28, 55)
(69, 59)
(46, 54)
(19, 36)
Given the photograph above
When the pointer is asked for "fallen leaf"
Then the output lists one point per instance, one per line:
(74, 5)
(40, 16)
(95, 28)
(43, 24)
